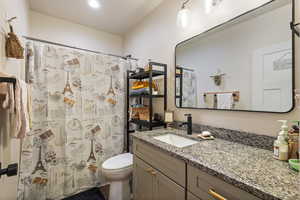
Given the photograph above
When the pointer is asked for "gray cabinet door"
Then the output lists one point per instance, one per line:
(165, 188)
(143, 180)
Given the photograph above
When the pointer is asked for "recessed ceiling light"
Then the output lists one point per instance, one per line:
(94, 4)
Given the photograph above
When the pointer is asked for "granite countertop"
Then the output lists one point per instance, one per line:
(251, 169)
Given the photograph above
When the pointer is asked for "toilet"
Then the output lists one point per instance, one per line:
(118, 170)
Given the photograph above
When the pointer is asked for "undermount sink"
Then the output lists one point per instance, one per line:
(175, 140)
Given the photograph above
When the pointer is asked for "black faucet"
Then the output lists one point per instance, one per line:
(189, 124)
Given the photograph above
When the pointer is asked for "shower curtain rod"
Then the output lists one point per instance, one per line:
(63, 45)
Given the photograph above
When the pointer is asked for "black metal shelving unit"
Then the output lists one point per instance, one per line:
(179, 77)
(150, 74)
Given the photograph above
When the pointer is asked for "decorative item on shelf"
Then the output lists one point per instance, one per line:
(13, 47)
(178, 71)
(142, 88)
(157, 117)
(148, 67)
(140, 113)
(218, 77)
(152, 66)
(139, 70)
(169, 118)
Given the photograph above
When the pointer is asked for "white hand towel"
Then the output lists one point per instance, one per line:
(225, 101)
(25, 128)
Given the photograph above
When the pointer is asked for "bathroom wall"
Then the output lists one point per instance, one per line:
(156, 37)
(11, 8)
(65, 32)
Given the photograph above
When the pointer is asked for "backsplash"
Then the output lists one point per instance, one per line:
(246, 138)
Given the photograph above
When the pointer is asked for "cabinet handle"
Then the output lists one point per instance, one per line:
(216, 195)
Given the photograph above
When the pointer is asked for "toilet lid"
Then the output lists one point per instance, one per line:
(118, 162)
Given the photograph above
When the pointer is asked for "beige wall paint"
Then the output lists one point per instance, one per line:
(157, 36)
(11, 8)
(65, 32)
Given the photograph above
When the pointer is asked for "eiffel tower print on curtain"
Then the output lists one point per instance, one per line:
(111, 89)
(39, 165)
(68, 85)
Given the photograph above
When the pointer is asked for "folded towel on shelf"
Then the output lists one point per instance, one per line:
(225, 101)
(140, 91)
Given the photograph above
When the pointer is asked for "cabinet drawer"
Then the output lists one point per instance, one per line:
(209, 187)
(171, 167)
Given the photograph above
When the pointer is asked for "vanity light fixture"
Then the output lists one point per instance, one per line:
(94, 4)
(183, 16)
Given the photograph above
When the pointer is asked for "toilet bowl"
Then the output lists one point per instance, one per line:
(117, 170)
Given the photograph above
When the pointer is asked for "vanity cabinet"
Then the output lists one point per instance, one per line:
(143, 180)
(159, 176)
(166, 164)
(150, 184)
(208, 187)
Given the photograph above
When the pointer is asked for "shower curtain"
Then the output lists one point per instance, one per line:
(189, 89)
(78, 104)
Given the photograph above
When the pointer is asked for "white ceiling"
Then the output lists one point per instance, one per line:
(115, 16)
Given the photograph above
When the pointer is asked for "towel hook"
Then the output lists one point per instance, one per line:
(11, 19)
(295, 29)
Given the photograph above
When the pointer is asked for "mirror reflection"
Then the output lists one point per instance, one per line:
(245, 64)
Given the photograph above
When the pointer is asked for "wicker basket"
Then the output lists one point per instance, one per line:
(140, 113)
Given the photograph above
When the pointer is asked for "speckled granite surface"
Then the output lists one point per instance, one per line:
(252, 169)
(251, 139)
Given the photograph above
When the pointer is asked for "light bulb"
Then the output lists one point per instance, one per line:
(183, 18)
(94, 4)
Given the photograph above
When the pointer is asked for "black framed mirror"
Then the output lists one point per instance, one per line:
(245, 64)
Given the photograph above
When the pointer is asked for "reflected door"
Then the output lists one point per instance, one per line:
(271, 74)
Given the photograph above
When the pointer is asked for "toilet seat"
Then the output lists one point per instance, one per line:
(119, 162)
(117, 171)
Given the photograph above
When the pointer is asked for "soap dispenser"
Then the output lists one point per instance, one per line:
(281, 145)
